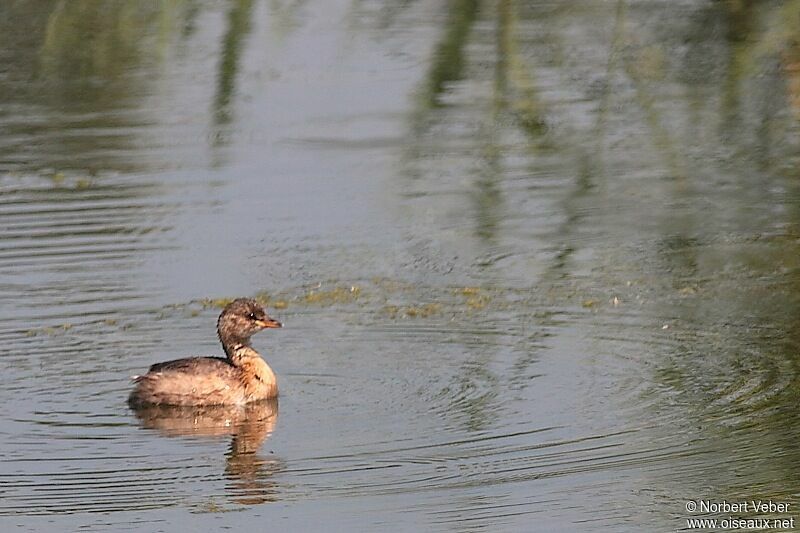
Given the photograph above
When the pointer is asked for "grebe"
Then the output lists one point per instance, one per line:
(240, 378)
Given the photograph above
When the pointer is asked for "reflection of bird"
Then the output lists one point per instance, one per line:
(248, 425)
(254, 421)
(242, 377)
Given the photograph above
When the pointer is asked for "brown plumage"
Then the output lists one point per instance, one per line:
(241, 377)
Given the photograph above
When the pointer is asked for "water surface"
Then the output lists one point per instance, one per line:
(539, 264)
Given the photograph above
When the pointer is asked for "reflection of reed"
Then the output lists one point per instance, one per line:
(89, 65)
(787, 43)
(238, 28)
(448, 60)
(249, 426)
(522, 95)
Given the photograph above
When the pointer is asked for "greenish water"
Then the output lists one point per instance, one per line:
(538, 263)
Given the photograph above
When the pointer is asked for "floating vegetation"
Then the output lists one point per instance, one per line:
(215, 302)
(333, 296)
(478, 302)
(62, 179)
(475, 297)
(389, 298)
(314, 296)
(263, 298)
(380, 298)
(412, 311)
(49, 330)
(468, 291)
(391, 310)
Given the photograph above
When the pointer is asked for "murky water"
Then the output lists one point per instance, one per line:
(539, 263)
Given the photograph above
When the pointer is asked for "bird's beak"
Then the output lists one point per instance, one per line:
(269, 323)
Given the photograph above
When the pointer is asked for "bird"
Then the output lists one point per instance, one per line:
(239, 378)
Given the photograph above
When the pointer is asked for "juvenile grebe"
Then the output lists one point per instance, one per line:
(241, 377)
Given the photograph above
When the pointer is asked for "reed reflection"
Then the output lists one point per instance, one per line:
(250, 474)
(81, 73)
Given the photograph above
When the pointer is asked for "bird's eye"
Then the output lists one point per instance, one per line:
(251, 316)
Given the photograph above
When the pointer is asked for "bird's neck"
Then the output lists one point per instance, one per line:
(240, 353)
(259, 379)
(232, 343)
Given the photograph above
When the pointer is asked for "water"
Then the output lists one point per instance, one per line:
(538, 262)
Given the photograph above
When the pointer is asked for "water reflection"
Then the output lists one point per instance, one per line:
(448, 62)
(236, 32)
(249, 472)
(79, 83)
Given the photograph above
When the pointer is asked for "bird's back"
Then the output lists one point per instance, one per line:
(190, 381)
